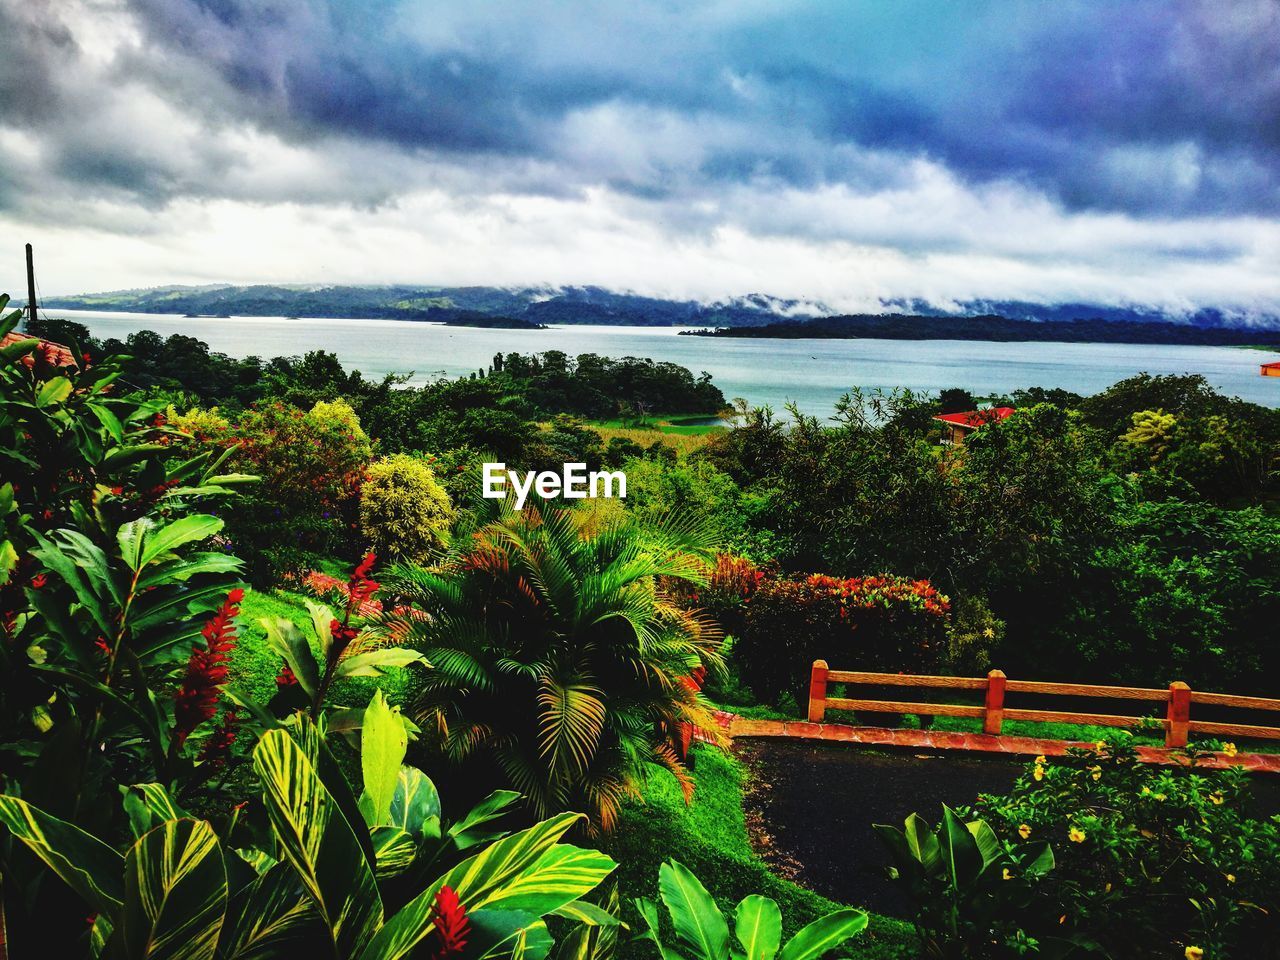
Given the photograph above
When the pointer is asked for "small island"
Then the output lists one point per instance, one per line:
(489, 322)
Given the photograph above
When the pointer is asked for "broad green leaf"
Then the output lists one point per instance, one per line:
(175, 893)
(467, 832)
(8, 560)
(394, 849)
(109, 420)
(19, 348)
(648, 911)
(383, 742)
(322, 621)
(824, 935)
(53, 391)
(757, 925)
(960, 854)
(564, 874)
(988, 844)
(128, 456)
(475, 880)
(373, 662)
(149, 804)
(318, 841)
(287, 640)
(86, 864)
(922, 842)
(587, 913)
(415, 805)
(266, 916)
(199, 526)
(699, 926)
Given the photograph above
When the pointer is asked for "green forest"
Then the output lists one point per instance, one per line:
(275, 678)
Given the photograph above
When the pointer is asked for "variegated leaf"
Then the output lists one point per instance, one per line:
(319, 842)
(175, 893)
(394, 849)
(85, 863)
(475, 880)
(267, 916)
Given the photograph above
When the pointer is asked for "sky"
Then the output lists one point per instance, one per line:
(839, 152)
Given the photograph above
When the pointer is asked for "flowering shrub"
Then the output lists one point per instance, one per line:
(404, 513)
(1151, 861)
(312, 465)
(731, 582)
(881, 623)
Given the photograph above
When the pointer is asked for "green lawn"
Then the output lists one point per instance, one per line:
(709, 836)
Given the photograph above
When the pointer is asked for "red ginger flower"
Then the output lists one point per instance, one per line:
(197, 697)
(286, 677)
(452, 925)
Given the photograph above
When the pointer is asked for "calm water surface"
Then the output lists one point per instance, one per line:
(812, 373)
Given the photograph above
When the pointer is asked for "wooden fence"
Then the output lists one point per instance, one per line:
(1177, 699)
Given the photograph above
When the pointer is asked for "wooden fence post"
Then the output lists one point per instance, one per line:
(1179, 715)
(818, 691)
(993, 708)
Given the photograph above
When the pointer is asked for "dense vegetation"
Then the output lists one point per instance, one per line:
(894, 326)
(205, 662)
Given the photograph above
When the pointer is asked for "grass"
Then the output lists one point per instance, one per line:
(254, 665)
(709, 836)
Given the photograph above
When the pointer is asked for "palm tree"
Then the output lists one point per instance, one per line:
(555, 653)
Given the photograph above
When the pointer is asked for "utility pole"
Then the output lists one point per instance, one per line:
(31, 290)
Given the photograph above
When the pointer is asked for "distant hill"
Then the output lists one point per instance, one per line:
(569, 305)
(997, 328)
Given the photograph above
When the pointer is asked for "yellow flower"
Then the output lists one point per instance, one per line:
(1038, 772)
(1194, 953)
(1231, 878)
(1007, 875)
(1075, 835)
(1100, 746)
(1216, 798)
(1230, 750)
(1040, 759)
(1160, 796)
(1097, 772)
(1024, 831)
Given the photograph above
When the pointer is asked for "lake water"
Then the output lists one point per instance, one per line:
(812, 373)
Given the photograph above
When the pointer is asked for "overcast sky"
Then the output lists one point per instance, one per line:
(1122, 153)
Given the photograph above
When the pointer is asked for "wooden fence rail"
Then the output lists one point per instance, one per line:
(995, 685)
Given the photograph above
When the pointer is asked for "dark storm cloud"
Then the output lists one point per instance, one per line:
(1153, 109)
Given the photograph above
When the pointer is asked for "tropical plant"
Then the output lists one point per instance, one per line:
(347, 649)
(1150, 859)
(699, 931)
(404, 513)
(970, 892)
(556, 661)
(103, 590)
(326, 875)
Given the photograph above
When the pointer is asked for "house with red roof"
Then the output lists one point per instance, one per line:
(1271, 369)
(957, 426)
(50, 355)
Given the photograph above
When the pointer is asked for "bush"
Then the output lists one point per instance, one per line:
(1150, 860)
(404, 513)
(869, 623)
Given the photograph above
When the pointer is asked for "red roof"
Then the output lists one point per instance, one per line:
(53, 354)
(976, 418)
(1274, 365)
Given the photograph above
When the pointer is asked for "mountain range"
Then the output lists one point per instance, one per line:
(596, 305)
